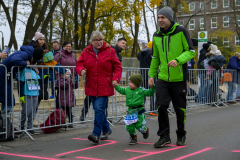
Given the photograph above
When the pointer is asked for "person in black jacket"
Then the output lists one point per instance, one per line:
(145, 58)
(203, 88)
(121, 44)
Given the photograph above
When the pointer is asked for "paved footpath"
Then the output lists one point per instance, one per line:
(212, 134)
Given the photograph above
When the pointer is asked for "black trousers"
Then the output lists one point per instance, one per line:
(165, 92)
(87, 103)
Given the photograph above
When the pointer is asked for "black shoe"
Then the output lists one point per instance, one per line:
(133, 139)
(70, 126)
(93, 138)
(165, 139)
(65, 126)
(105, 135)
(82, 118)
(181, 140)
(146, 134)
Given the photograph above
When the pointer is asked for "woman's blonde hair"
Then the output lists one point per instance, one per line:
(237, 54)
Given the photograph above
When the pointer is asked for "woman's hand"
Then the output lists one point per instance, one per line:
(114, 83)
(83, 72)
(45, 51)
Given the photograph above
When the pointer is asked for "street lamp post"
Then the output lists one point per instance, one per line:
(2, 40)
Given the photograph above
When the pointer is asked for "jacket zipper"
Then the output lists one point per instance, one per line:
(97, 76)
(169, 40)
(165, 38)
(180, 69)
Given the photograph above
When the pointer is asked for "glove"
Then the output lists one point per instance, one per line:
(22, 99)
(47, 76)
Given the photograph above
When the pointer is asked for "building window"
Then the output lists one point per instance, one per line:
(214, 22)
(202, 5)
(225, 42)
(214, 4)
(192, 6)
(225, 3)
(238, 20)
(237, 3)
(181, 22)
(237, 41)
(191, 24)
(180, 8)
(201, 23)
(225, 21)
(214, 39)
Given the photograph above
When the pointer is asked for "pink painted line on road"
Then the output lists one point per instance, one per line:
(151, 153)
(81, 139)
(27, 156)
(198, 152)
(235, 151)
(97, 146)
(89, 158)
(153, 144)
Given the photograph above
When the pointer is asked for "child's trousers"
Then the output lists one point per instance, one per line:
(140, 125)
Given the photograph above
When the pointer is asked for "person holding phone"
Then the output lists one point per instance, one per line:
(3, 55)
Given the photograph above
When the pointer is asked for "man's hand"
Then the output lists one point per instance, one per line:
(172, 63)
(114, 83)
(3, 55)
(83, 72)
(151, 82)
(22, 99)
(28, 63)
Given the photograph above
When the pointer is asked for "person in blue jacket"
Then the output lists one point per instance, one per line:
(21, 58)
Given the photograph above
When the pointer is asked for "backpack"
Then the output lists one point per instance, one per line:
(56, 117)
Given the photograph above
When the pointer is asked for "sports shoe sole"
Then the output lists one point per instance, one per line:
(160, 146)
(106, 137)
(92, 138)
(132, 143)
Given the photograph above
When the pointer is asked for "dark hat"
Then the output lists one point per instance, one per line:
(167, 12)
(38, 53)
(205, 45)
(136, 79)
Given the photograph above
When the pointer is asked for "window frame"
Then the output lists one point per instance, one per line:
(228, 4)
(180, 23)
(225, 22)
(225, 42)
(236, 41)
(212, 4)
(192, 24)
(236, 3)
(202, 7)
(190, 6)
(214, 22)
(201, 23)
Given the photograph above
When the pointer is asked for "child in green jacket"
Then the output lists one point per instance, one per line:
(135, 101)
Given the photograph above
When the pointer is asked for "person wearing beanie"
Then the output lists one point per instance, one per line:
(135, 102)
(172, 49)
(39, 41)
(145, 58)
(204, 85)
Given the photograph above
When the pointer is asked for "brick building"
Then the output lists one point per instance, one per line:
(220, 15)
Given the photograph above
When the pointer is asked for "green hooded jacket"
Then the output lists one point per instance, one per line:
(173, 45)
(135, 98)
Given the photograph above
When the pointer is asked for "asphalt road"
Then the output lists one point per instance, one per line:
(212, 134)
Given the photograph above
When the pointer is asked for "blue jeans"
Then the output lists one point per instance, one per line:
(203, 88)
(238, 91)
(3, 107)
(100, 120)
(231, 90)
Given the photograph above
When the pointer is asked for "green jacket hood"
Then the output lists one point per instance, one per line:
(171, 30)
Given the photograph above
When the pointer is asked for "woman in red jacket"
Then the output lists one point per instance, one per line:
(102, 68)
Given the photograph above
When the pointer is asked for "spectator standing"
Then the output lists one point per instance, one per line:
(102, 68)
(204, 84)
(233, 64)
(121, 44)
(65, 57)
(172, 49)
(21, 58)
(56, 48)
(145, 58)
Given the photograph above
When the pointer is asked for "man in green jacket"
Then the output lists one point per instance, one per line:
(172, 48)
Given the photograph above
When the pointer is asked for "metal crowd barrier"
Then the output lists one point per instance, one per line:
(202, 90)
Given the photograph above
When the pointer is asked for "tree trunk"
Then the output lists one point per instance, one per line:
(91, 23)
(145, 22)
(135, 43)
(76, 24)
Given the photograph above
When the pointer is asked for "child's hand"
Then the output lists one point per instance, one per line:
(114, 83)
(28, 63)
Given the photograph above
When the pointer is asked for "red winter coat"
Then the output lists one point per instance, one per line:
(101, 70)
